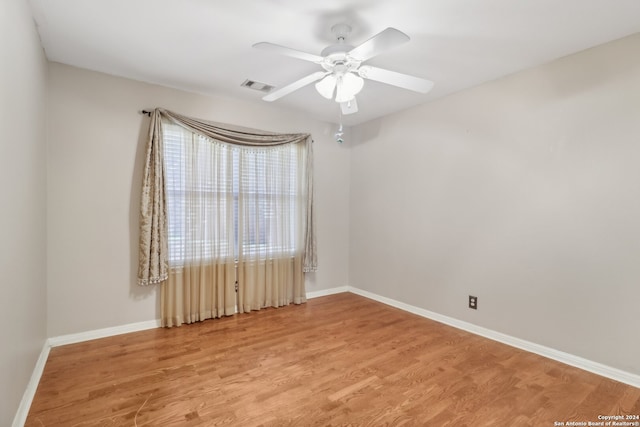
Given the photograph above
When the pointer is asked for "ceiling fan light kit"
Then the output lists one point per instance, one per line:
(343, 76)
(327, 86)
(347, 87)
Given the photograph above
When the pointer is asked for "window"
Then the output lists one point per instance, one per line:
(226, 201)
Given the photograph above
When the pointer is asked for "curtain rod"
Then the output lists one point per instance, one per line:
(148, 113)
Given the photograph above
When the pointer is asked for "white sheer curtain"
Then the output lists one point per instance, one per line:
(200, 211)
(234, 213)
(271, 214)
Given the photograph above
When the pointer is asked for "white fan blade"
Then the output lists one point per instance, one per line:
(286, 90)
(289, 52)
(393, 78)
(349, 107)
(377, 44)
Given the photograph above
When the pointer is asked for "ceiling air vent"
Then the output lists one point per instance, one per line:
(262, 87)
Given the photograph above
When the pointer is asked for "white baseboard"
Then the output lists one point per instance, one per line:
(325, 292)
(25, 404)
(149, 324)
(560, 356)
(103, 333)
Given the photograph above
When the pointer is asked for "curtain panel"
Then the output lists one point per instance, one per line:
(153, 261)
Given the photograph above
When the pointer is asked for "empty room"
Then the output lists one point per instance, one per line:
(349, 212)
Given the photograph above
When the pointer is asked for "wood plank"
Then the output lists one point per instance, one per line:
(340, 359)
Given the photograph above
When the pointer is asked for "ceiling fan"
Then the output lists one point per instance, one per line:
(343, 74)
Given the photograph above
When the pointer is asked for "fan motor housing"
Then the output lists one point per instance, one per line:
(336, 58)
(334, 49)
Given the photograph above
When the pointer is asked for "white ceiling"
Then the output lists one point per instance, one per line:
(205, 45)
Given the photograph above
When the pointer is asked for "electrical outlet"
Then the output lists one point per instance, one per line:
(473, 302)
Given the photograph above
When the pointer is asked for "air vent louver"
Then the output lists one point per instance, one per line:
(262, 87)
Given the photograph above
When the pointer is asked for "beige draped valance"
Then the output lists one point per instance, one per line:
(153, 265)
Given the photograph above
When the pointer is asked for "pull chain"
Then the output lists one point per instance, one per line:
(340, 133)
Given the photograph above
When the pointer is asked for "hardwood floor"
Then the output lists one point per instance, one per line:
(337, 360)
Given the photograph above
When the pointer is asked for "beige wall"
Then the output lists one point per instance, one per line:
(524, 192)
(96, 141)
(22, 199)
